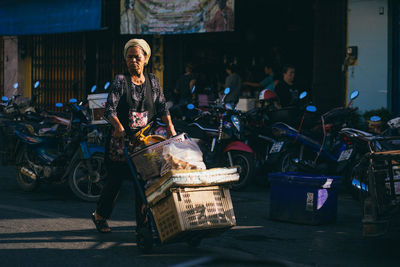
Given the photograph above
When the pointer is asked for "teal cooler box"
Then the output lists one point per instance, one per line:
(303, 198)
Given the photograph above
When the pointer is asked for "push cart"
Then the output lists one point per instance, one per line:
(380, 190)
(182, 213)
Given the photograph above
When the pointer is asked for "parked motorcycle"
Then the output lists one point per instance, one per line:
(218, 133)
(12, 113)
(319, 148)
(57, 150)
(366, 143)
(259, 133)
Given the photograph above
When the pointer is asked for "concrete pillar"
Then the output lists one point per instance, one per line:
(11, 67)
(157, 57)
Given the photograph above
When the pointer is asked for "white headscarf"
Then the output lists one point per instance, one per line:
(140, 43)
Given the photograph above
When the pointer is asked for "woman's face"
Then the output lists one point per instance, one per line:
(135, 60)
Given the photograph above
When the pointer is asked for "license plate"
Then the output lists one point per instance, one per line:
(345, 155)
(276, 147)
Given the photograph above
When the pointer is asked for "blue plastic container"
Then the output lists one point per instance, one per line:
(303, 198)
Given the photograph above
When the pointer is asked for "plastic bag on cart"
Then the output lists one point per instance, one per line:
(184, 155)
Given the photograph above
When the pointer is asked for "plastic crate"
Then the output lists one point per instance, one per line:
(149, 159)
(188, 210)
(303, 198)
(189, 178)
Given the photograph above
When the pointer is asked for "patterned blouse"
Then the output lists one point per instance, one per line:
(117, 104)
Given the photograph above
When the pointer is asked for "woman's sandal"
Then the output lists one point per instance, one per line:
(101, 225)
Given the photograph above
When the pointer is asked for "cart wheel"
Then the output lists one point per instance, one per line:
(194, 242)
(144, 239)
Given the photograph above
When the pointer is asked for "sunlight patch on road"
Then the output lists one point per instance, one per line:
(57, 244)
(58, 226)
(247, 227)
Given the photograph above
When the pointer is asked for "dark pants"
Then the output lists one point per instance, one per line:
(116, 173)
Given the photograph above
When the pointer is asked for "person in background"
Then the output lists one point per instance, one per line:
(285, 89)
(267, 83)
(134, 100)
(234, 82)
(185, 84)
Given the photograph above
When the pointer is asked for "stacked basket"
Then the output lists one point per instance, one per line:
(185, 202)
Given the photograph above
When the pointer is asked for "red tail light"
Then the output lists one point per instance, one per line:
(328, 127)
(347, 140)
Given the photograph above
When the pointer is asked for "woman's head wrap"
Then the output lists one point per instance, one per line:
(140, 43)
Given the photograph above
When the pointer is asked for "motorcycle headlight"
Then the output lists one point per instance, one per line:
(235, 120)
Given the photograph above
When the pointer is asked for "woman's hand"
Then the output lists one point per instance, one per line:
(119, 132)
(170, 127)
(170, 130)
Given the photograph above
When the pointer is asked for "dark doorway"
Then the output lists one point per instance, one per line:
(330, 24)
(309, 34)
(277, 32)
(394, 56)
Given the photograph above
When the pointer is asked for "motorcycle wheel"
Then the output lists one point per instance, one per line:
(82, 185)
(287, 162)
(26, 183)
(245, 163)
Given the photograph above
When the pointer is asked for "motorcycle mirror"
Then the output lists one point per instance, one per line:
(228, 106)
(311, 108)
(375, 118)
(15, 85)
(4, 99)
(93, 88)
(73, 101)
(193, 88)
(190, 106)
(227, 90)
(106, 85)
(303, 95)
(59, 105)
(36, 85)
(354, 95)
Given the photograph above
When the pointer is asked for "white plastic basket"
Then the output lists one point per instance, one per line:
(148, 160)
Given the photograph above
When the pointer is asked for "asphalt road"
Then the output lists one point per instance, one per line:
(50, 227)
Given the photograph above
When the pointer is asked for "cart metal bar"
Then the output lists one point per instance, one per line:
(142, 195)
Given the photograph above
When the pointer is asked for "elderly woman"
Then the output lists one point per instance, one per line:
(134, 100)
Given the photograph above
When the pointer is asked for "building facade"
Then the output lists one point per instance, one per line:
(336, 46)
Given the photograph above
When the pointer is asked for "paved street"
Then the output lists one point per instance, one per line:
(51, 227)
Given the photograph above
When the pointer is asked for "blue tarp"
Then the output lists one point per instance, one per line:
(26, 17)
